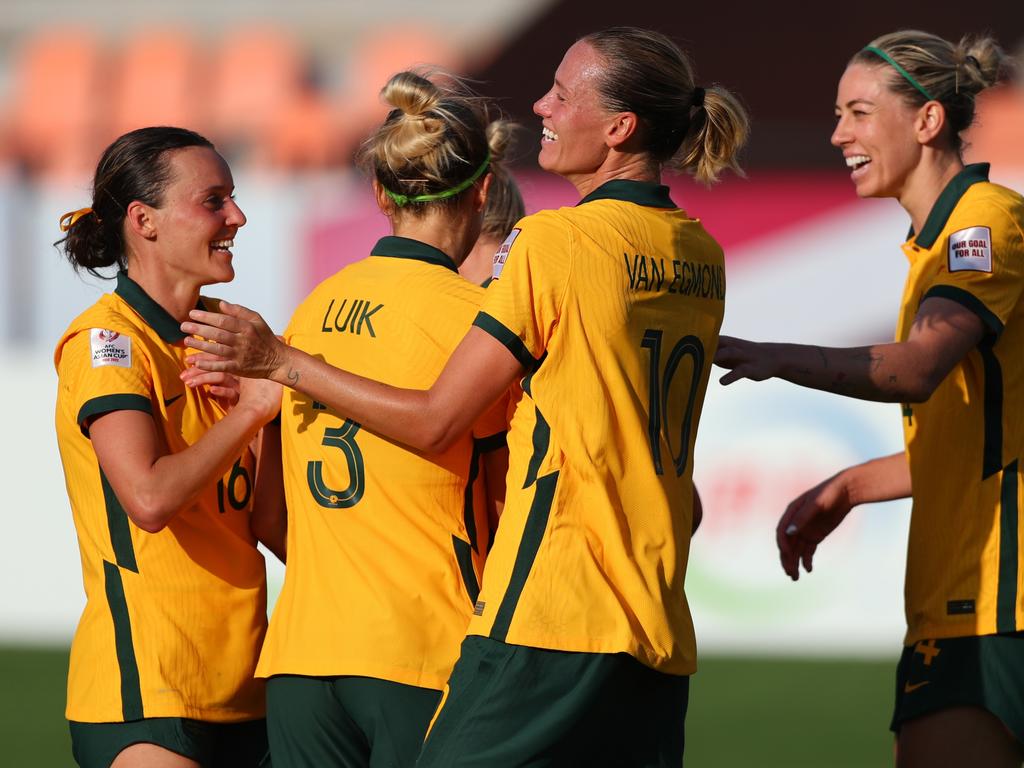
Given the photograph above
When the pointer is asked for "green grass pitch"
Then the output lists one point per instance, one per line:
(743, 712)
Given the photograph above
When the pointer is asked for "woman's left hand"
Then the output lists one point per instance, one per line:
(746, 359)
(238, 341)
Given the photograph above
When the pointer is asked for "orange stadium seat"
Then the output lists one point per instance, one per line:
(55, 123)
(256, 75)
(380, 55)
(158, 82)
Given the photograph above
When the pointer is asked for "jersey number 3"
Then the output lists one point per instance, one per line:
(344, 438)
(660, 384)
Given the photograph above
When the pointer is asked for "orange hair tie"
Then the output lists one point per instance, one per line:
(67, 221)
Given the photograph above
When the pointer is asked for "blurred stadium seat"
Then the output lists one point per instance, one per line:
(257, 76)
(158, 82)
(57, 77)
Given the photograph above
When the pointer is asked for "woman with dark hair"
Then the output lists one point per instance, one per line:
(581, 643)
(958, 369)
(162, 481)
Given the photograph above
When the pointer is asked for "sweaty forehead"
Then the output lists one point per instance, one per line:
(581, 67)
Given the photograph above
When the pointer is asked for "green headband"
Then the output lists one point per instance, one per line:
(907, 76)
(401, 200)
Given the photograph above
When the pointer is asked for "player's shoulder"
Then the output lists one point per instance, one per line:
(106, 322)
(989, 212)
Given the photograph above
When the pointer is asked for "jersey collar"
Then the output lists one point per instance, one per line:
(407, 248)
(631, 191)
(156, 317)
(950, 196)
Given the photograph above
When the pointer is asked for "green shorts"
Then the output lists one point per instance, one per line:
(985, 672)
(354, 722)
(510, 705)
(212, 745)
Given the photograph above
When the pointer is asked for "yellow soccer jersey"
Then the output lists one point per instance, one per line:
(173, 620)
(614, 308)
(965, 443)
(385, 545)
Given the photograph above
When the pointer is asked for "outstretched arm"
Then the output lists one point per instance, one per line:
(942, 335)
(814, 514)
(479, 370)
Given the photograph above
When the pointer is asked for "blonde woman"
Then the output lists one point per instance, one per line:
(385, 544)
(581, 644)
(958, 369)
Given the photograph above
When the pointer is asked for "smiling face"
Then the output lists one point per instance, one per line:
(575, 124)
(196, 222)
(876, 131)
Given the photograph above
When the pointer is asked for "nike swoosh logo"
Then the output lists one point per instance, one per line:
(168, 401)
(909, 687)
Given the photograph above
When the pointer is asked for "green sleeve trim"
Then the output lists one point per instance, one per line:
(491, 442)
(970, 301)
(512, 342)
(108, 403)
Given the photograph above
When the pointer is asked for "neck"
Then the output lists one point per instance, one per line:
(173, 294)
(454, 235)
(630, 166)
(925, 184)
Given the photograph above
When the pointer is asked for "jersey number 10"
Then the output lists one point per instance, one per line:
(660, 383)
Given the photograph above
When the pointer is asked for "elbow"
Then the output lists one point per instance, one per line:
(437, 440)
(920, 388)
(149, 514)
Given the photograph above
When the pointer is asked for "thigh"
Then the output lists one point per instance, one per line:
(951, 692)
(954, 737)
(394, 717)
(157, 741)
(309, 728)
(509, 705)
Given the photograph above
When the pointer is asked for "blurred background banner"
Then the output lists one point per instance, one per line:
(287, 90)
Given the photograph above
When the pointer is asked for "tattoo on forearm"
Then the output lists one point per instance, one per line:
(293, 377)
(824, 359)
(873, 359)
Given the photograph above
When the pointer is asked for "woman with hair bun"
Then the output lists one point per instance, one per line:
(385, 544)
(581, 644)
(162, 481)
(957, 367)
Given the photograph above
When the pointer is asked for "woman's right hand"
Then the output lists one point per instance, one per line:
(236, 340)
(808, 519)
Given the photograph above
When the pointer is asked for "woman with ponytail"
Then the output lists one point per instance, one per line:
(957, 366)
(385, 544)
(581, 645)
(161, 478)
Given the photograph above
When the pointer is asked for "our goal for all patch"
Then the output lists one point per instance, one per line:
(971, 249)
